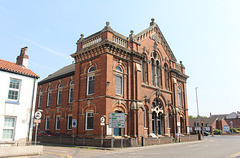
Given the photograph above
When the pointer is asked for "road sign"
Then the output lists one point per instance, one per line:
(102, 124)
(37, 121)
(74, 122)
(102, 119)
(38, 115)
(117, 120)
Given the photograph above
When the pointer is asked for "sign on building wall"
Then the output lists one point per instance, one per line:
(226, 128)
(117, 120)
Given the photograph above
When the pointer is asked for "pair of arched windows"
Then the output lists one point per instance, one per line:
(71, 93)
(59, 95)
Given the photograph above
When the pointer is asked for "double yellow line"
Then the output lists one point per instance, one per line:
(68, 156)
(233, 155)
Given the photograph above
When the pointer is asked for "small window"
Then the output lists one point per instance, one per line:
(91, 69)
(9, 128)
(59, 98)
(119, 69)
(69, 125)
(71, 92)
(57, 123)
(89, 121)
(47, 123)
(14, 90)
(49, 96)
(40, 99)
(91, 81)
(119, 81)
(179, 96)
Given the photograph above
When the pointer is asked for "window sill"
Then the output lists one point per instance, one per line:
(88, 129)
(12, 102)
(90, 94)
(119, 95)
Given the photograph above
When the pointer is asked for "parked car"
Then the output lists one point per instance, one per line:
(46, 133)
(205, 133)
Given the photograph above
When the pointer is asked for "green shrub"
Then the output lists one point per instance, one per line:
(235, 130)
(217, 131)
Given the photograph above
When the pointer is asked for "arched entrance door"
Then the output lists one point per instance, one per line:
(117, 131)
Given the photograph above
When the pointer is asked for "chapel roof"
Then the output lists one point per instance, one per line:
(61, 73)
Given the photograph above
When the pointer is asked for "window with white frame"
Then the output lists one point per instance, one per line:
(119, 81)
(49, 98)
(58, 123)
(69, 125)
(179, 96)
(47, 123)
(59, 97)
(145, 118)
(89, 121)
(71, 91)
(8, 128)
(40, 99)
(91, 80)
(14, 89)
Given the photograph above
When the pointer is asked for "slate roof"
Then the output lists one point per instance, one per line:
(209, 121)
(14, 68)
(63, 72)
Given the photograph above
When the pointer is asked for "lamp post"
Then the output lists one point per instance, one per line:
(198, 109)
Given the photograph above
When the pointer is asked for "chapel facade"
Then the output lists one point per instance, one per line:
(136, 75)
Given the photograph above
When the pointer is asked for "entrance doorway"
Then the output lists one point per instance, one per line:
(117, 131)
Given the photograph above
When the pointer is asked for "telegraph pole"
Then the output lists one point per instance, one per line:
(198, 109)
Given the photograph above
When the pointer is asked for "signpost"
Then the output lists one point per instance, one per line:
(102, 123)
(38, 116)
(117, 120)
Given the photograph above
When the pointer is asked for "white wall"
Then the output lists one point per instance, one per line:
(22, 110)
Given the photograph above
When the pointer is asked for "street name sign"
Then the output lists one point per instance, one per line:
(117, 120)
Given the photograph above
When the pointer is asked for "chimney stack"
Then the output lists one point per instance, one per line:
(22, 59)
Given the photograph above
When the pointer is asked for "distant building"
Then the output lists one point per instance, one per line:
(136, 75)
(17, 102)
(221, 121)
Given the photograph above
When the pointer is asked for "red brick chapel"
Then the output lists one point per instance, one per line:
(137, 75)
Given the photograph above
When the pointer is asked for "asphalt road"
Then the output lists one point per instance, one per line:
(210, 147)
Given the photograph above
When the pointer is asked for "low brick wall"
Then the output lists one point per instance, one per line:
(188, 138)
(157, 141)
(127, 142)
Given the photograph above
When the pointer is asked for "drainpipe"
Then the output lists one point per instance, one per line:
(31, 111)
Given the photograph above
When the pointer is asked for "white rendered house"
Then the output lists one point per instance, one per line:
(17, 100)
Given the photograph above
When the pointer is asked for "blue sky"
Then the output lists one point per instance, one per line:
(203, 34)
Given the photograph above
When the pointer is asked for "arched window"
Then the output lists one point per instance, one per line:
(49, 96)
(166, 76)
(144, 70)
(157, 73)
(40, 98)
(59, 97)
(153, 71)
(71, 91)
(91, 80)
(145, 118)
(119, 81)
(179, 96)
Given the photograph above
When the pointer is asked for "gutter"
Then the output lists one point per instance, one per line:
(31, 112)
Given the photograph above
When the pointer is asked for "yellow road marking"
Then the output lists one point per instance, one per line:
(234, 155)
(68, 156)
